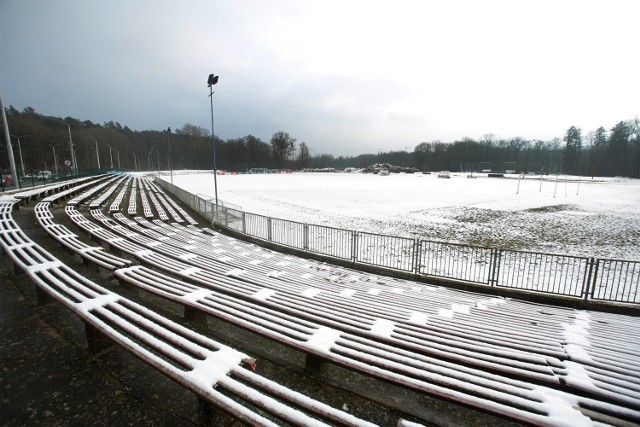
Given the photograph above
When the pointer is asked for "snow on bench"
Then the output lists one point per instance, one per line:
(146, 208)
(215, 372)
(98, 201)
(522, 400)
(156, 204)
(117, 202)
(133, 208)
(172, 206)
(90, 192)
(485, 335)
(69, 240)
(188, 264)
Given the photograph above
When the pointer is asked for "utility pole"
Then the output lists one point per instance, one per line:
(7, 137)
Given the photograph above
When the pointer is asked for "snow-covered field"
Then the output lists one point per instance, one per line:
(591, 217)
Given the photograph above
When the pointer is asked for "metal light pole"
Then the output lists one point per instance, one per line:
(158, 155)
(135, 162)
(55, 159)
(97, 152)
(149, 157)
(110, 156)
(118, 153)
(74, 165)
(20, 151)
(169, 144)
(212, 81)
(7, 137)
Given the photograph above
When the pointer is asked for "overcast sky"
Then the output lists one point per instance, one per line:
(346, 77)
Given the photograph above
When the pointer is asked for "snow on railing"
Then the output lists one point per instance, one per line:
(572, 276)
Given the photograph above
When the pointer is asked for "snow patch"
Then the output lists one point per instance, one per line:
(197, 295)
(397, 291)
(382, 328)
(225, 259)
(347, 293)
(323, 339)
(578, 376)
(374, 291)
(255, 262)
(307, 276)
(310, 293)
(560, 407)
(189, 271)
(418, 318)
(455, 308)
(264, 294)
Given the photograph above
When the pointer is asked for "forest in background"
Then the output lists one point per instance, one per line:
(601, 152)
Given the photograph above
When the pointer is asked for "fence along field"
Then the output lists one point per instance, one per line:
(582, 277)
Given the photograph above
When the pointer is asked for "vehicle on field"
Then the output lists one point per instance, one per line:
(44, 175)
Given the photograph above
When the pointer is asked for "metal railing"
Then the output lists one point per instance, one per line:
(580, 277)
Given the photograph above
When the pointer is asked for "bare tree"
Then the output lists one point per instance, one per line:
(282, 146)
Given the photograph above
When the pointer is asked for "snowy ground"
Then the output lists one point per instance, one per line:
(598, 217)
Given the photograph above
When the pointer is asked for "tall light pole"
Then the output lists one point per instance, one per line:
(7, 137)
(211, 82)
(118, 153)
(135, 162)
(55, 159)
(110, 156)
(97, 152)
(74, 165)
(20, 151)
(158, 155)
(169, 144)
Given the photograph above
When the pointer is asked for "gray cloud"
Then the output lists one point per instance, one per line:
(399, 79)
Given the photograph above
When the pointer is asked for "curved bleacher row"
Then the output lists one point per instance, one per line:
(528, 362)
(217, 373)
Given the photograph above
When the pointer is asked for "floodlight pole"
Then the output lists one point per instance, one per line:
(7, 137)
(212, 81)
(97, 153)
(110, 156)
(20, 151)
(169, 144)
(74, 165)
(55, 159)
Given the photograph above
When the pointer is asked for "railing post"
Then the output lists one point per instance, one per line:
(414, 256)
(226, 216)
(305, 236)
(496, 257)
(587, 285)
(244, 223)
(593, 276)
(354, 246)
(269, 228)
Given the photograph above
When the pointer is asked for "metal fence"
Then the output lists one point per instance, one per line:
(587, 278)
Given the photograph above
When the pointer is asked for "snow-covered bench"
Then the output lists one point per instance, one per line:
(217, 373)
(133, 207)
(159, 208)
(146, 208)
(94, 255)
(115, 205)
(504, 368)
(26, 196)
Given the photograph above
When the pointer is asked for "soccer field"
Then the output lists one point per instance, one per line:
(576, 216)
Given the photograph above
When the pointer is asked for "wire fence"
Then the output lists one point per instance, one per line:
(581, 277)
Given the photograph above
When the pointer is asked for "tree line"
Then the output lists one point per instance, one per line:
(114, 146)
